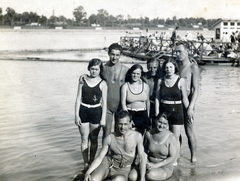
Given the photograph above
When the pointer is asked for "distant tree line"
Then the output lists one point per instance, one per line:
(102, 18)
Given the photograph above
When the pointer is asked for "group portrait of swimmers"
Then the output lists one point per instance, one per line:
(141, 113)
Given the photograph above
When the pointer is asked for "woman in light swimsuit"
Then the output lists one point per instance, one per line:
(90, 109)
(135, 98)
(172, 98)
(161, 148)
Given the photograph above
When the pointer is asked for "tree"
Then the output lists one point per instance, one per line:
(79, 13)
(102, 16)
(119, 19)
(9, 17)
(93, 19)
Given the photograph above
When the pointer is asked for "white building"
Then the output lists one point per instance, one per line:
(225, 25)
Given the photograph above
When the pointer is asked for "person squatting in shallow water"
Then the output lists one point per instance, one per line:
(118, 153)
(90, 109)
(171, 97)
(135, 98)
(189, 70)
(161, 148)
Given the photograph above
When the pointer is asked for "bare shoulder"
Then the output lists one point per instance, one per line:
(136, 136)
(104, 83)
(107, 140)
(146, 86)
(194, 67)
(148, 134)
(124, 86)
(172, 137)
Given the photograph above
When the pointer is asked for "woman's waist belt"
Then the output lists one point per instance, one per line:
(136, 109)
(171, 102)
(91, 106)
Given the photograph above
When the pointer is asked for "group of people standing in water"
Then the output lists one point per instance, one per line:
(148, 111)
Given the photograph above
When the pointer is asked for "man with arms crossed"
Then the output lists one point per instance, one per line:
(189, 70)
(118, 152)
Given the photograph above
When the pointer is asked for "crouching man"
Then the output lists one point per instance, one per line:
(118, 153)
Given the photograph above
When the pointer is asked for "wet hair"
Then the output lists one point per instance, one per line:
(130, 71)
(95, 61)
(115, 46)
(122, 114)
(170, 60)
(164, 115)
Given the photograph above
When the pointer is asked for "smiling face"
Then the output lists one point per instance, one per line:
(162, 124)
(152, 68)
(123, 125)
(114, 56)
(136, 75)
(170, 69)
(94, 71)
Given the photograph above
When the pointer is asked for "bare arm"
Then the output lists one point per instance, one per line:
(104, 103)
(141, 154)
(124, 96)
(184, 92)
(158, 99)
(171, 154)
(77, 104)
(148, 101)
(195, 90)
(98, 160)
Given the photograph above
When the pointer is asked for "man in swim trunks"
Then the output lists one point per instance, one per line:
(118, 152)
(190, 72)
(114, 74)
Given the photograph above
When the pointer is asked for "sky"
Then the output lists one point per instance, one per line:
(209, 9)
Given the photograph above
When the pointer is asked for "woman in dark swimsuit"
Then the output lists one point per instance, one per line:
(172, 98)
(90, 109)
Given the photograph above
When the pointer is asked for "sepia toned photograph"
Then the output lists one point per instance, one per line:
(129, 90)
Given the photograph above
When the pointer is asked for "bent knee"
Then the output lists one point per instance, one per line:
(153, 175)
(133, 176)
(120, 178)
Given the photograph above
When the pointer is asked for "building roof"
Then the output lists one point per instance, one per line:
(221, 20)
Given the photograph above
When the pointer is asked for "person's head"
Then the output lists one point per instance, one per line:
(161, 122)
(114, 51)
(95, 67)
(169, 67)
(153, 66)
(135, 73)
(181, 50)
(122, 121)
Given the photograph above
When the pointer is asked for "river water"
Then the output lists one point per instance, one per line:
(39, 140)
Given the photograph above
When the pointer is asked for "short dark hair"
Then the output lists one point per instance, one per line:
(122, 114)
(164, 115)
(115, 46)
(129, 72)
(95, 61)
(183, 43)
(170, 60)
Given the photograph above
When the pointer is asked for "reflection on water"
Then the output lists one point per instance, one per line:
(39, 140)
